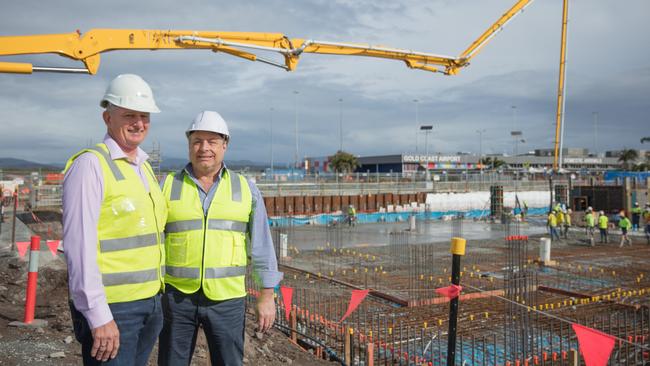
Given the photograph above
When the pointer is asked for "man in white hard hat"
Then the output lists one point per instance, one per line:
(217, 220)
(113, 220)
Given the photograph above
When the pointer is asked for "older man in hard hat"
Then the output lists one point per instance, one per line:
(217, 220)
(113, 219)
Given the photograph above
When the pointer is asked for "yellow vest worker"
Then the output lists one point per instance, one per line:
(207, 252)
(552, 220)
(603, 221)
(217, 221)
(130, 253)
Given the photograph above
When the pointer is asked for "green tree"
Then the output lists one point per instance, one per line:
(344, 162)
(492, 162)
(628, 156)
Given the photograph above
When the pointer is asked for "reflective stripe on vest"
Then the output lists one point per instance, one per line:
(223, 272)
(126, 278)
(132, 242)
(117, 174)
(213, 224)
(212, 272)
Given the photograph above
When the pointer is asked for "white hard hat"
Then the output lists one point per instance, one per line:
(131, 92)
(590, 208)
(209, 121)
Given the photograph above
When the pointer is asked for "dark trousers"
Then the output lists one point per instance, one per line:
(222, 322)
(603, 235)
(139, 323)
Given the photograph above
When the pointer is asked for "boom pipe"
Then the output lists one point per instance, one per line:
(559, 119)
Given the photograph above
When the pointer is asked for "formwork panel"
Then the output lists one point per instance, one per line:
(404, 199)
(308, 207)
(327, 204)
(363, 202)
(354, 201)
(336, 203)
(388, 199)
(280, 205)
(270, 206)
(345, 201)
(299, 204)
(379, 201)
(372, 203)
(607, 198)
(318, 205)
(413, 198)
(289, 204)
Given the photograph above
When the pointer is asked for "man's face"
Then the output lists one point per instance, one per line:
(207, 150)
(127, 127)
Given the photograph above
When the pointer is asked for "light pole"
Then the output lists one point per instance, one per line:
(417, 123)
(480, 150)
(340, 124)
(295, 110)
(427, 129)
(517, 136)
(271, 124)
(595, 133)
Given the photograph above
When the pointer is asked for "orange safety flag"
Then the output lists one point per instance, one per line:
(287, 295)
(53, 245)
(450, 292)
(22, 247)
(595, 346)
(355, 299)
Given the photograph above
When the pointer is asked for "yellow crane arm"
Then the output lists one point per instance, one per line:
(88, 47)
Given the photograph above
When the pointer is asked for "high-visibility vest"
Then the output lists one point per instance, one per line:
(567, 219)
(589, 219)
(552, 220)
(560, 217)
(636, 210)
(624, 223)
(130, 250)
(207, 252)
(602, 222)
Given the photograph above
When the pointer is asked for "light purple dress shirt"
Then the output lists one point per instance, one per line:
(83, 193)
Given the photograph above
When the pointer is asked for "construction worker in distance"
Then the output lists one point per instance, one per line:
(590, 225)
(567, 222)
(603, 223)
(624, 224)
(217, 220)
(113, 219)
(552, 225)
(352, 215)
(646, 217)
(559, 214)
(636, 216)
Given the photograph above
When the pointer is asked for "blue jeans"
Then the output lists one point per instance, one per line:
(222, 321)
(139, 323)
(553, 233)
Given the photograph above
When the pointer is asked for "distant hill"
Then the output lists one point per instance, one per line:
(20, 164)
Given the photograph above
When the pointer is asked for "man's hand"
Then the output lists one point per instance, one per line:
(265, 310)
(106, 341)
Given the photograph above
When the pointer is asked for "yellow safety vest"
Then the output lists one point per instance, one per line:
(552, 221)
(130, 251)
(207, 252)
(602, 222)
(567, 219)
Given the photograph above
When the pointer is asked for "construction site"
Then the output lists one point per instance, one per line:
(404, 258)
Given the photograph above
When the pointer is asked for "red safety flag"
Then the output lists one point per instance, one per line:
(450, 292)
(22, 247)
(53, 245)
(355, 299)
(595, 346)
(287, 296)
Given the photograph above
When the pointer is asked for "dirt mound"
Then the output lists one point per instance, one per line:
(55, 343)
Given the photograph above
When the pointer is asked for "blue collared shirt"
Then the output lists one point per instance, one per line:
(259, 241)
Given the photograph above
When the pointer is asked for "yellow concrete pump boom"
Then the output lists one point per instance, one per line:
(87, 47)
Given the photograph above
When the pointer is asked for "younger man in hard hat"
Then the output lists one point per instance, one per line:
(113, 219)
(646, 217)
(567, 222)
(624, 224)
(217, 220)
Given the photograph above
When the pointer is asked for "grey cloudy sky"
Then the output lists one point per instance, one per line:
(47, 117)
